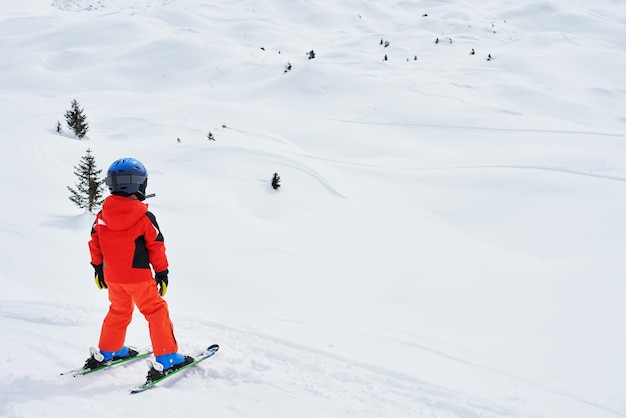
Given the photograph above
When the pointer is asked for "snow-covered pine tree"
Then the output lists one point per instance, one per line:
(77, 120)
(276, 181)
(89, 189)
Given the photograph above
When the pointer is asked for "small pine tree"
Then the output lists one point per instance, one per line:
(59, 128)
(89, 190)
(311, 54)
(77, 120)
(276, 181)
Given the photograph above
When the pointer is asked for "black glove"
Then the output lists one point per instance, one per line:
(161, 279)
(99, 276)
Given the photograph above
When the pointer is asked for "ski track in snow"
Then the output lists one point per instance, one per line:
(473, 167)
(542, 384)
(246, 361)
(490, 129)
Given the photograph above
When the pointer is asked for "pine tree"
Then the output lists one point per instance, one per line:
(77, 120)
(89, 189)
(276, 181)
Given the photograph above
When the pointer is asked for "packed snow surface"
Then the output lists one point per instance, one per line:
(447, 241)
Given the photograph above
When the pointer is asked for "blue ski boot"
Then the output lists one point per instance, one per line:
(99, 358)
(166, 364)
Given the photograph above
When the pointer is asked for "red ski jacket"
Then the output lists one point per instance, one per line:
(125, 237)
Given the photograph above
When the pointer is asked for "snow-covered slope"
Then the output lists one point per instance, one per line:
(447, 240)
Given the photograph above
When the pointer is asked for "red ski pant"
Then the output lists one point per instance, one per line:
(145, 295)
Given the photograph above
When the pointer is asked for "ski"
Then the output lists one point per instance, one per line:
(197, 359)
(107, 365)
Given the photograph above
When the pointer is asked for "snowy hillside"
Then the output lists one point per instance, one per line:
(447, 241)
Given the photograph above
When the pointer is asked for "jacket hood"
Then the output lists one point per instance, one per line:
(120, 213)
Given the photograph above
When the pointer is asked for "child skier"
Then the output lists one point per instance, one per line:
(125, 242)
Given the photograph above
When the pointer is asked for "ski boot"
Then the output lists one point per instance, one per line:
(166, 364)
(99, 358)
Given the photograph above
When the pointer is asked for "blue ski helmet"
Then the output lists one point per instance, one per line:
(127, 176)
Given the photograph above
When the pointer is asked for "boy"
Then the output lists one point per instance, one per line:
(125, 242)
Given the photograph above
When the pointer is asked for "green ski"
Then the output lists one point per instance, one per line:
(169, 373)
(107, 365)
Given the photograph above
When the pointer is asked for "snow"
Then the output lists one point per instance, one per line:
(446, 242)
